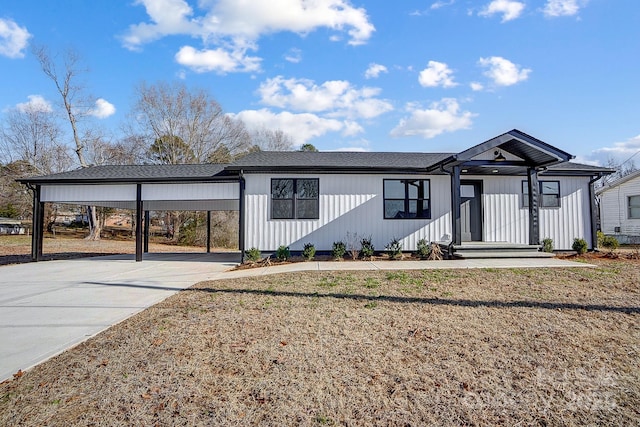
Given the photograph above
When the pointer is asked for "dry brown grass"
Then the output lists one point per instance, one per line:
(438, 347)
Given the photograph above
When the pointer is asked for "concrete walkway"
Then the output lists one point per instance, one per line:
(48, 307)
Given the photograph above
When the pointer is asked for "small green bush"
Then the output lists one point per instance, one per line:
(422, 249)
(600, 235)
(610, 243)
(338, 250)
(283, 253)
(309, 251)
(394, 248)
(366, 248)
(547, 244)
(579, 245)
(253, 255)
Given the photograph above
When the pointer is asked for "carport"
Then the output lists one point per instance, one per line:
(140, 188)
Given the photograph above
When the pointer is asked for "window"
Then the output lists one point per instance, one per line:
(406, 198)
(294, 198)
(549, 194)
(634, 207)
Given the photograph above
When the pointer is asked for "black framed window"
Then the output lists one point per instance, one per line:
(407, 198)
(549, 194)
(295, 198)
(633, 202)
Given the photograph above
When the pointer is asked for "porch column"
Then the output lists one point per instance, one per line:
(139, 209)
(37, 227)
(593, 213)
(146, 232)
(534, 210)
(456, 225)
(208, 232)
(241, 184)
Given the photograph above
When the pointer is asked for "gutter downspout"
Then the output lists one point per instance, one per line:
(592, 211)
(241, 215)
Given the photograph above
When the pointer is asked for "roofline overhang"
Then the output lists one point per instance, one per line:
(77, 181)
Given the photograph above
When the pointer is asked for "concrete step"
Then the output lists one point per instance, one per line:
(498, 246)
(488, 254)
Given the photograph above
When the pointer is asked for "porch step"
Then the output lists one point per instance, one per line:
(498, 250)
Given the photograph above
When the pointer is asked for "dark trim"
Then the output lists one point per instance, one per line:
(146, 232)
(593, 211)
(480, 184)
(534, 211)
(241, 216)
(164, 180)
(37, 226)
(330, 170)
(208, 232)
(406, 199)
(456, 224)
(139, 209)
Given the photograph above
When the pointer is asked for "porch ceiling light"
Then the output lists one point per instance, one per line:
(495, 171)
(499, 157)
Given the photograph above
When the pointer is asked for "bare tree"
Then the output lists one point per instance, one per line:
(178, 119)
(76, 106)
(271, 140)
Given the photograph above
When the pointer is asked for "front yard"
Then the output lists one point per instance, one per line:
(437, 347)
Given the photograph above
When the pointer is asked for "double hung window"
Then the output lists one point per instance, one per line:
(295, 198)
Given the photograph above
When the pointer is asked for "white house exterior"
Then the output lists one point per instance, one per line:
(620, 208)
(512, 189)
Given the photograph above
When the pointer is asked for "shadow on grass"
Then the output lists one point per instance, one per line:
(428, 301)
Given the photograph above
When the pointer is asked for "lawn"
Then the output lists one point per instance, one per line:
(436, 347)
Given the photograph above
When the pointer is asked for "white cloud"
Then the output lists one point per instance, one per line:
(476, 86)
(231, 25)
(621, 149)
(436, 74)
(441, 3)
(374, 71)
(442, 116)
(13, 39)
(555, 8)
(294, 55)
(35, 104)
(218, 60)
(509, 9)
(103, 109)
(336, 98)
(503, 72)
(301, 127)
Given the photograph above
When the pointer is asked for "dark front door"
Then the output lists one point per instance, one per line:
(471, 210)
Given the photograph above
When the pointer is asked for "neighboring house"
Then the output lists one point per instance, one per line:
(620, 208)
(510, 189)
(11, 226)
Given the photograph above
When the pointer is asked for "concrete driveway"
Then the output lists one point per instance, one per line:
(47, 307)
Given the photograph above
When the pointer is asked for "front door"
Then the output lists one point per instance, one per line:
(471, 210)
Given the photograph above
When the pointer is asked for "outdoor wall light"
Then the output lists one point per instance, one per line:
(498, 156)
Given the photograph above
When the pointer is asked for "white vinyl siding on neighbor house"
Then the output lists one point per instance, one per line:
(615, 210)
(506, 220)
(347, 203)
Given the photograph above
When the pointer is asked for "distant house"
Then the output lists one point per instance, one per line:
(620, 208)
(11, 226)
(512, 189)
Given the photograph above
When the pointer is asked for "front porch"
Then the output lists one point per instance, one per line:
(484, 250)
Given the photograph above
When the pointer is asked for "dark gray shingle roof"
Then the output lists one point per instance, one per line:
(335, 161)
(137, 173)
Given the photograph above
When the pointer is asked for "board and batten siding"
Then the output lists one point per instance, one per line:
(506, 220)
(347, 204)
(614, 209)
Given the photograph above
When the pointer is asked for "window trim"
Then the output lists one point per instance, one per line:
(294, 199)
(525, 194)
(629, 206)
(406, 198)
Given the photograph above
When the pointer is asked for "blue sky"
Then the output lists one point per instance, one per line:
(366, 75)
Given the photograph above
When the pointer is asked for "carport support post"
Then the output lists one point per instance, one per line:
(534, 211)
(138, 222)
(208, 232)
(146, 232)
(37, 231)
(241, 217)
(456, 225)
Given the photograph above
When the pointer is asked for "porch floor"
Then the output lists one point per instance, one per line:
(479, 250)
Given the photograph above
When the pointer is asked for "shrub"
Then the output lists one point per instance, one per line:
(253, 254)
(338, 250)
(610, 243)
(309, 251)
(366, 248)
(435, 252)
(422, 249)
(394, 248)
(600, 235)
(579, 245)
(352, 245)
(547, 244)
(283, 253)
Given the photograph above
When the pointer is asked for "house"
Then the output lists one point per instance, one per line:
(11, 226)
(620, 208)
(511, 189)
